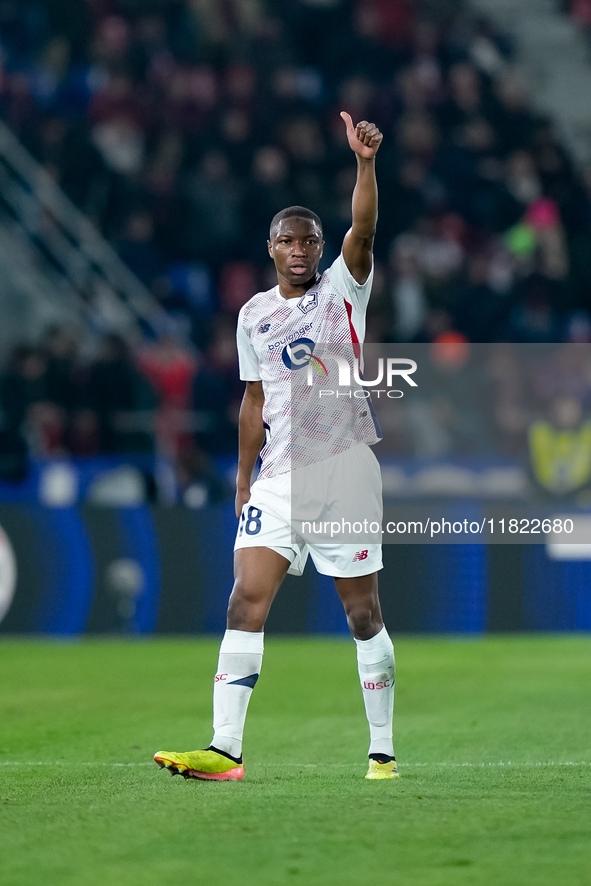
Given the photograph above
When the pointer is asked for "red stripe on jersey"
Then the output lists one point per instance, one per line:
(354, 339)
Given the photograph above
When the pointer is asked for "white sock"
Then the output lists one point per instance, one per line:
(375, 661)
(239, 666)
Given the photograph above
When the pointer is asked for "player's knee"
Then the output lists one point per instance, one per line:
(364, 622)
(246, 593)
(246, 608)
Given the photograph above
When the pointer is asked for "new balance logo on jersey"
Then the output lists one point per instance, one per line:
(308, 302)
(360, 555)
(264, 328)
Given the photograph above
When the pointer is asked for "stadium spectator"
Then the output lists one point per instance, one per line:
(581, 12)
(170, 367)
(139, 248)
(121, 398)
(30, 417)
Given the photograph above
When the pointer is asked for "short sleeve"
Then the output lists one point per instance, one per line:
(248, 361)
(341, 277)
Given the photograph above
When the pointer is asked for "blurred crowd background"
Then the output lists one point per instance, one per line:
(181, 126)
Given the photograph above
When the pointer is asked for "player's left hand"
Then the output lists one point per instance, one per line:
(364, 139)
(242, 496)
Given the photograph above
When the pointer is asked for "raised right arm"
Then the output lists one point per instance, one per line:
(251, 436)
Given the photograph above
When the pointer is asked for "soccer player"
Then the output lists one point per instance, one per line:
(304, 308)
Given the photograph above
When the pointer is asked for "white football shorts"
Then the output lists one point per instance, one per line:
(342, 493)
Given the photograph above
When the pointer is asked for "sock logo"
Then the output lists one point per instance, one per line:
(245, 681)
(382, 684)
(237, 681)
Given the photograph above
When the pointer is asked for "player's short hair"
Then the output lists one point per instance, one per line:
(292, 212)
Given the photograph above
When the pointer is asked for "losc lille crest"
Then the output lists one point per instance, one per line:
(308, 302)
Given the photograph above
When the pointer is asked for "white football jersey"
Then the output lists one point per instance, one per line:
(270, 330)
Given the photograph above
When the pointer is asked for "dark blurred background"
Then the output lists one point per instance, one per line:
(145, 146)
(179, 127)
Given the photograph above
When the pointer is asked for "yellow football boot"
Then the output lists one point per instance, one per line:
(377, 769)
(207, 765)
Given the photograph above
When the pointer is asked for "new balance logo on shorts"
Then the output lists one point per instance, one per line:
(360, 555)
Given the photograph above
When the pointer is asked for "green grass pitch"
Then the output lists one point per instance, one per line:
(492, 735)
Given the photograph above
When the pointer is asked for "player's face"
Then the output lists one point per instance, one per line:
(296, 249)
